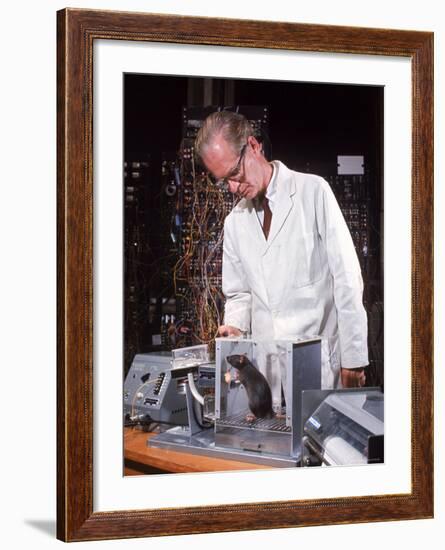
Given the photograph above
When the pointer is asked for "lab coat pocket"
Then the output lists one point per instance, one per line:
(304, 260)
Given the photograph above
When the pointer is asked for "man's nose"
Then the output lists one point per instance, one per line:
(233, 186)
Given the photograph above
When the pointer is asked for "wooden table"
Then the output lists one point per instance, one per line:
(142, 459)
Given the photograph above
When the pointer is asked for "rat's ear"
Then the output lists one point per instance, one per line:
(243, 359)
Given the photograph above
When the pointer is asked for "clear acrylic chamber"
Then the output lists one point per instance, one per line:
(289, 367)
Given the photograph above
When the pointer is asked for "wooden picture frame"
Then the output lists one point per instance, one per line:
(77, 31)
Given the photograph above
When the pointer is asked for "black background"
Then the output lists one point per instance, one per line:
(309, 123)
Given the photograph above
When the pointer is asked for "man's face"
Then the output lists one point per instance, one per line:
(241, 171)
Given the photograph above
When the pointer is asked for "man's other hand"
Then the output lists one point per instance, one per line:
(353, 378)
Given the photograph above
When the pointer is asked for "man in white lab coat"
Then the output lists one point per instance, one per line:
(289, 263)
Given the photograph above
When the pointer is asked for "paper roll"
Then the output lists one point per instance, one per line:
(339, 451)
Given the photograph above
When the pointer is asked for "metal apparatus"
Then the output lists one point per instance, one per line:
(208, 406)
(157, 384)
(343, 427)
(232, 433)
(277, 440)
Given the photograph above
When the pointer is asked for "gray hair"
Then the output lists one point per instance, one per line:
(233, 127)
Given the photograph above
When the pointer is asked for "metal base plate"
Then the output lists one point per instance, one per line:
(203, 443)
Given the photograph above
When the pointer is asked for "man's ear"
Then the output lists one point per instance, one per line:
(255, 145)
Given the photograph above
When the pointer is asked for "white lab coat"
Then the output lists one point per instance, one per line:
(305, 280)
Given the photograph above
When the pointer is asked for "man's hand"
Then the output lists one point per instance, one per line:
(353, 378)
(228, 330)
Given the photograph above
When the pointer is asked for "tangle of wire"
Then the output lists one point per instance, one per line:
(198, 269)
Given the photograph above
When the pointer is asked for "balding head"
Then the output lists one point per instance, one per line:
(231, 127)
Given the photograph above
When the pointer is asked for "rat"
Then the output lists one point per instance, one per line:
(258, 391)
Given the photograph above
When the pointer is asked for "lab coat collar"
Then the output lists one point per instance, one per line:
(283, 203)
(285, 189)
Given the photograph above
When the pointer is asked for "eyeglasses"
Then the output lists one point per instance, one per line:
(235, 172)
